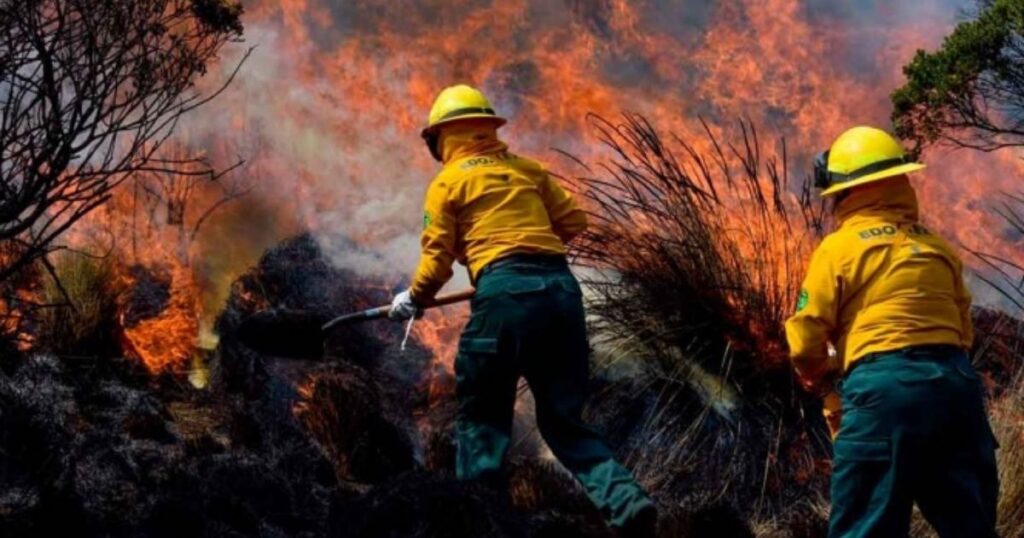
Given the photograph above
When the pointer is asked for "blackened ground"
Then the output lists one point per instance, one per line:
(427, 505)
(362, 386)
(101, 449)
(340, 411)
(96, 449)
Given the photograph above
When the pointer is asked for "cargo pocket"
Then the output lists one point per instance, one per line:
(967, 371)
(473, 361)
(471, 346)
(879, 450)
(862, 482)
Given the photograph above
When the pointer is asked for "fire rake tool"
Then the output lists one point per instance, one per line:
(381, 312)
(300, 334)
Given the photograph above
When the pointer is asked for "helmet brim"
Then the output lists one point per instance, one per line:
(497, 119)
(883, 174)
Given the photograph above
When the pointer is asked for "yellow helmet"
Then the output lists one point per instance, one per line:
(860, 155)
(460, 102)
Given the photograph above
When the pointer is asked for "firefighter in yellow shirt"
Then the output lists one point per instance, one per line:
(888, 294)
(507, 221)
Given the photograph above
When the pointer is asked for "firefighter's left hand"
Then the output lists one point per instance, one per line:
(813, 386)
(404, 307)
(832, 408)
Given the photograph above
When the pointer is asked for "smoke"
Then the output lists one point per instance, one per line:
(315, 161)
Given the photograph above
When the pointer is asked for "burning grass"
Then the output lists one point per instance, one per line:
(692, 263)
(693, 247)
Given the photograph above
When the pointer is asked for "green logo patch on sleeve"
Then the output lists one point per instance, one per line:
(427, 219)
(802, 300)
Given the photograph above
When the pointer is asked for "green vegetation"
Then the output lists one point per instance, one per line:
(970, 92)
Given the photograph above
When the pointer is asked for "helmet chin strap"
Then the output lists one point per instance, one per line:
(433, 139)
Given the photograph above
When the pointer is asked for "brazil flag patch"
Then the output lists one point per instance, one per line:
(427, 219)
(802, 300)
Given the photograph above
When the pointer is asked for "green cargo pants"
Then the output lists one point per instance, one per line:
(527, 320)
(914, 429)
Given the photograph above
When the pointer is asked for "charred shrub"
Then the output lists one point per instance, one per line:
(340, 408)
(93, 448)
(297, 276)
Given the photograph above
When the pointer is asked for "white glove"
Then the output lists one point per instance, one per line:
(403, 307)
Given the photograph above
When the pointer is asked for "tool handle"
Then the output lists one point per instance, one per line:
(382, 311)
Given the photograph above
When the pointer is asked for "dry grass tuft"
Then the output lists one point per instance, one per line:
(699, 249)
(81, 309)
(1006, 275)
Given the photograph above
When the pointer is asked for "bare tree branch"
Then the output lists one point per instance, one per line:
(89, 94)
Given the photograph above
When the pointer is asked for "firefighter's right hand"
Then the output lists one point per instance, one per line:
(403, 307)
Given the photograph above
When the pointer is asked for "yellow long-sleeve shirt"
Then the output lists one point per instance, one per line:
(880, 282)
(487, 204)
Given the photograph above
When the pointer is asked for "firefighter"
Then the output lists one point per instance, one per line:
(507, 221)
(888, 295)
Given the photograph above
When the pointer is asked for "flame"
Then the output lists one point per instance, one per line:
(167, 341)
(14, 322)
(438, 331)
(151, 226)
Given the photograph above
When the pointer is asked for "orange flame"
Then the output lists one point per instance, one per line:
(439, 331)
(167, 341)
(150, 222)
